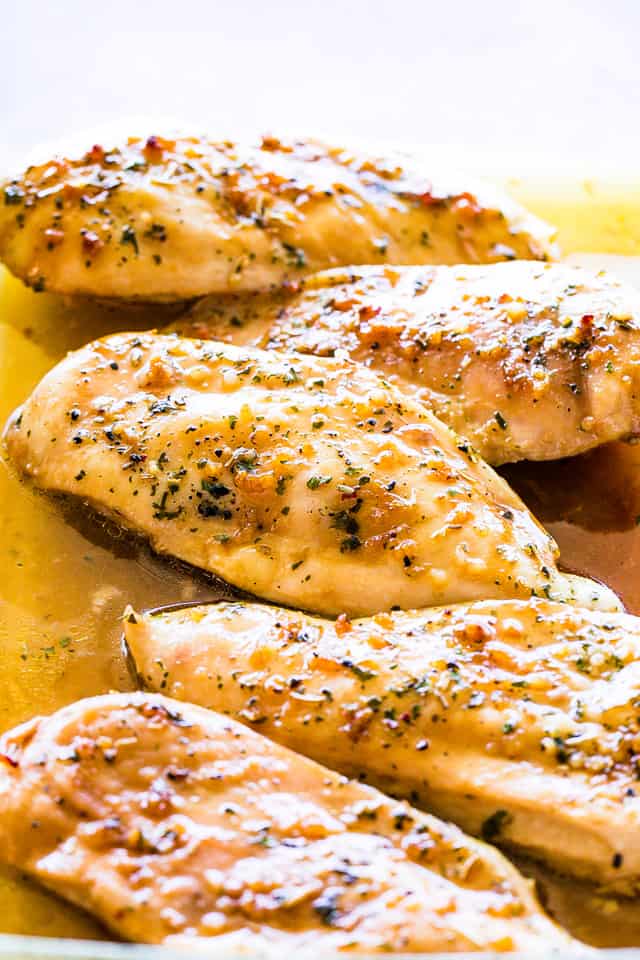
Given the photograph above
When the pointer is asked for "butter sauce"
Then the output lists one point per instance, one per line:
(65, 578)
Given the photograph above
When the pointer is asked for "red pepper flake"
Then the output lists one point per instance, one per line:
(368, 312)
(587, 321)
(155, 147)
(272, 143)
(9, 760)
(343, 305)
(505, 298)
(152, 148)
(467, 205)
(91, 242)
(428, 198)
(342, 625)
(273, 181)
(96, 154)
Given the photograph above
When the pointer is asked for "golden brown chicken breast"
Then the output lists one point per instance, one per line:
(529, 361)
(302, 480)
(172, 219)
(171, 823)
(517, 720)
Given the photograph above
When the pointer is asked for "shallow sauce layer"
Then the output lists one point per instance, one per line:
(65, 579)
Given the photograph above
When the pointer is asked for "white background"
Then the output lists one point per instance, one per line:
(557, 79)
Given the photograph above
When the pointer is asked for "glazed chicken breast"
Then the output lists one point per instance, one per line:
(161, 219)
(302, 480)
(171, 823)
(517, 720)
(529, 361)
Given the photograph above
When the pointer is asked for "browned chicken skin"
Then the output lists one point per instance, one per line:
(171, 823)
(528, 361)
(173, 219)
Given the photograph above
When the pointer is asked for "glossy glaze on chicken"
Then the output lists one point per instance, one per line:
(303, 480)
(162, 219)
(528, 361)
(517, 720)
(172, 824)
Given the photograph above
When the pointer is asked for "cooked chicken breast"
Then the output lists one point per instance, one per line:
(170, 823)
(517, 720)
(529, 361)
(302, 480)
(172, 219)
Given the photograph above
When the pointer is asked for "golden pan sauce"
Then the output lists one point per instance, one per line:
(65, 577)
